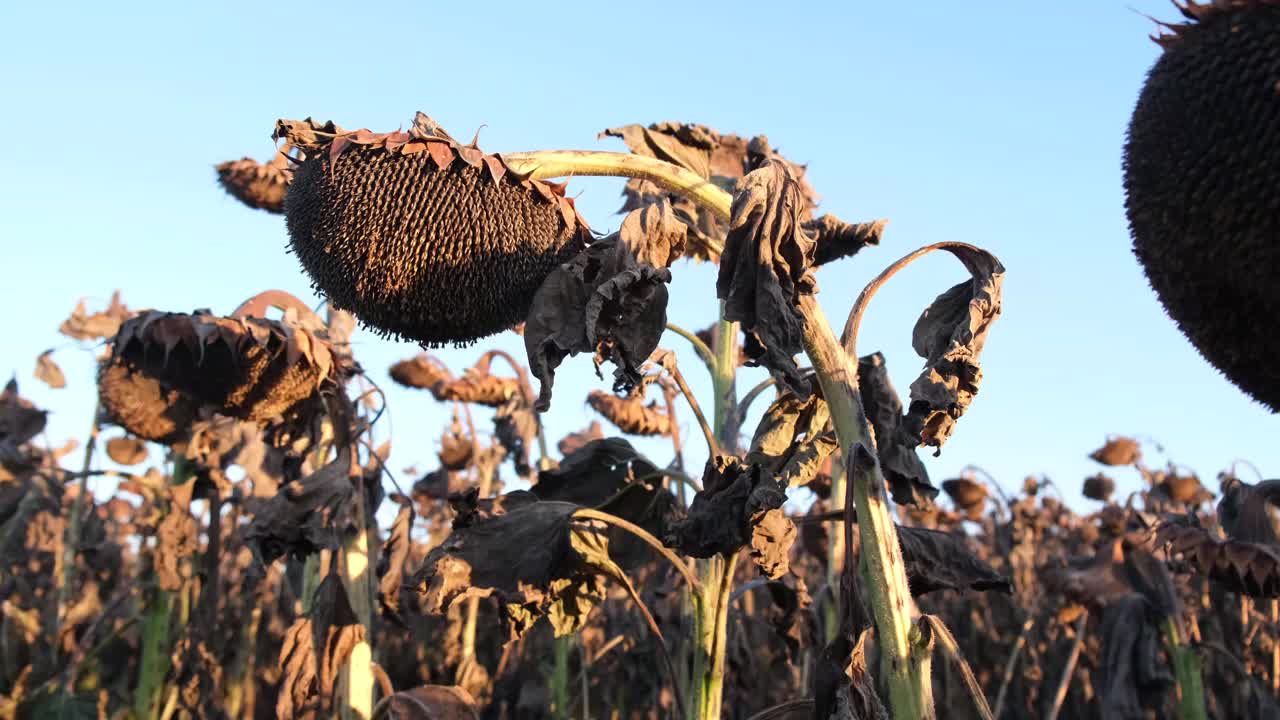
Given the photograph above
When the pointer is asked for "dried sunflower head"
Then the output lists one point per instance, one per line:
(1201, 169)
(164, 367)
(968, 495)
(1098, 487)
(630, 413)
(261, 186)
(420, 236)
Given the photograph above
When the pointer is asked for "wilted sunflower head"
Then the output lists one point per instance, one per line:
(164, 367)
(1201, 168)
(420, 236)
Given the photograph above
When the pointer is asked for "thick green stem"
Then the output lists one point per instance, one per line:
(884, 574)
(559, 683)
(154, 664)
(1186, 669)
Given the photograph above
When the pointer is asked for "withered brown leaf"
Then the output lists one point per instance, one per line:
(794, 438)
(903, 470)
(307, 515)
(950, 335)
(534, 558)
(1248, 512)
(48, 372)
(654, 234)
(315, 649)
(603, 301)
(80, 325)
(736, 496)
(767, 265)
(390, 570)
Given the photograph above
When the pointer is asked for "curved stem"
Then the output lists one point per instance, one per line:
(712, 446)
(685, 478)
(1070, 669)
(1012, 663)
(663, 550)
(704, 352)
(544, 164)
(849, 338)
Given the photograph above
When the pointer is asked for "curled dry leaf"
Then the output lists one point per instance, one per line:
(48, 372)
(126, 450)
(604, 302)
(176, 537)
(772, 536)
(937, 560)
(80, 325)
(534, 558)
(1118, 450)
(308, 515)
(315, 649)
(515, 428)
(794, 438)
(630, 414)
(903, 470)
(950, 335)
(431, 702)
(736, 497)
(720, 158)
(843, 688)
(261, 186)
(390, 570)
(420, 236)
(654, 234)
(835, 239)
(767, 265)
(1241, 566)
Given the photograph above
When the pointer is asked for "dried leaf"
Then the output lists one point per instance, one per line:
(835, 239)
(83, 326)
(736, 496)
(432, 702)
(938, 560)
(126, 450)
(395, 552)
(794, 438)
(654, 234)
(534, 558)
(843, 689)
(515, 427)
(950, 335)
(1130, 667)
(48, 372)
(908, 480)
(315, 649)
(603, 301)
(20, 421)
(308, 515)
(767, 265)
(771, 539)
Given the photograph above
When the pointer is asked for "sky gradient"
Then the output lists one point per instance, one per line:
(994, 124)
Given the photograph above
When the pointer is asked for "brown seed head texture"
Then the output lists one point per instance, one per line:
(420, 236)
(1202, 163)
(261, 186)
(164, 366)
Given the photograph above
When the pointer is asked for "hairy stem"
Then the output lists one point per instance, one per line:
(883, 571)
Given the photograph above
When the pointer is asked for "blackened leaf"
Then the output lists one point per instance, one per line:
(515, 427)
(937, 560)
(534, 558)
(843, 689)
(48, 372)
(307, 515)
(654, 234)
(790, 615)
(767, 265)
(722, 518)
(1130, 666)
(19, 419)
(950, 335)
(835, 239)
(604, 302)
(1150, 578)
(395, 551)
(432, 702)
(906, 474)
(609, 475)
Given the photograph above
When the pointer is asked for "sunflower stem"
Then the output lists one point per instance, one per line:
(1186, 669)
(884, 574)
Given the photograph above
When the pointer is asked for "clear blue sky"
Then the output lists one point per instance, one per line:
(999, 124)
